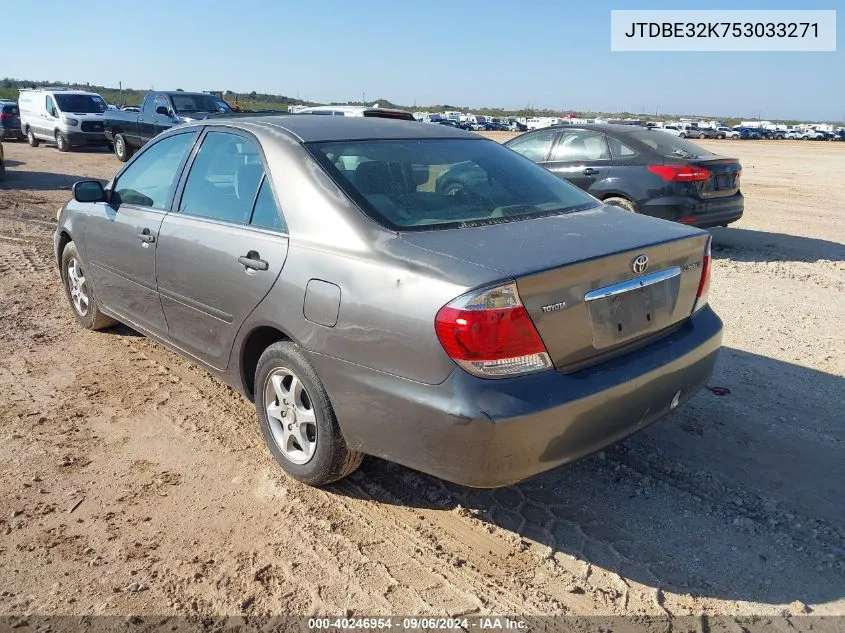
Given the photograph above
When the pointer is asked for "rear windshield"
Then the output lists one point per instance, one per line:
(187, 103)
(9, 109)
(387, 114)
(80, 104)
(668, 145)
(445, 183)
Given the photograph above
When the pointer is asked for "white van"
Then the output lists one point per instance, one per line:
(68, 118)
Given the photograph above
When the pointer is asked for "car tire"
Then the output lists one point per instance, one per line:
(2, 170)
(720, 136)
(622, 203)
(292, 403)
(682, 135)
(62, 144)
(121, 149)
(85, 307)
(702, 136)
(30, 138)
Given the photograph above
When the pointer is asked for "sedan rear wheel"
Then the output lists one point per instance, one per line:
(297, 419)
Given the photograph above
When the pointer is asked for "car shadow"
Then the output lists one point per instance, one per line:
(40, 180)
(738, 497)
(747, 245)
(13, 163)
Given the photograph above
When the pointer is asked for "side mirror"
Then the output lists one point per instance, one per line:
(163, 110)
(89, 191)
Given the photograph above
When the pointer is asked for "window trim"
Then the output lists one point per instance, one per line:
(179, 170)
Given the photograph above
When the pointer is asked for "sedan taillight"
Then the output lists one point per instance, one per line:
(704, 283)
(680, 173)
(489, 333)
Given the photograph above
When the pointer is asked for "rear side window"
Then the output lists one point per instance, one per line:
(224, 179)
(266, 213)
(618, 149)
(580, 145)
(534, 146)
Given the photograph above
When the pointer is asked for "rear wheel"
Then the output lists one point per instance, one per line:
(62, 143)
(702, 135)
(80, 291)
(297, 419)
(30, 138)
(622, 203)
(682, 135)
(121, 149)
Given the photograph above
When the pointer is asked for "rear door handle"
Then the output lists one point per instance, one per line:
(253, 261)
(590, 171)
(146, 237)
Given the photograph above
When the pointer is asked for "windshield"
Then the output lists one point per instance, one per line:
(187, 103)
(669, 145)
(80, 104)
(445, 183)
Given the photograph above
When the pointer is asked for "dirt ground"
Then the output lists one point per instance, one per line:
(133, 482)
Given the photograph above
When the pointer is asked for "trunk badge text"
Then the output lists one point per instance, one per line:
(554, 307)
(692, 266)
(639, 264)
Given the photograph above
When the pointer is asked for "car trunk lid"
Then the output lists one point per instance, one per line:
(723, 180)
(596, 283)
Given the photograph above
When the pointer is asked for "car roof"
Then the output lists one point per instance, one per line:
(613, 128)
(316, 128)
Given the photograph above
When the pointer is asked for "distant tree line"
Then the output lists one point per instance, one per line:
(263, 101)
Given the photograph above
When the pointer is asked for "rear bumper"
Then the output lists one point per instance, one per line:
(490, 433)
(11, 133)
(704, 213)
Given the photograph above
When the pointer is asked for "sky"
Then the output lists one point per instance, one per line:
(495, 53)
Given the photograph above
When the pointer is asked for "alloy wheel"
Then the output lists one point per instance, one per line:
(78, 287)
(291, 416)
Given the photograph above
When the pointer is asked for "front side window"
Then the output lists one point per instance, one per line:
(148, 180)
(580, 145)
(51, 106)
(534, 146)
(160, 102)
(224, 179)
(445, 183)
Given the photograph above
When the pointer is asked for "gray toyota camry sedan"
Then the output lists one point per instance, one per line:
(481, 335)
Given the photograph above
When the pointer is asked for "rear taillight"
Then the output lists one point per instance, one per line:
(5, 115)
(680, 173)
(489, 333)
(704, 284)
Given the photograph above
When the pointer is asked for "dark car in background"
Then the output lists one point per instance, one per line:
(10, 121)
(638, 169)
(160, 111)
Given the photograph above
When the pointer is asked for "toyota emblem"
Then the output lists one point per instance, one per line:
(639, 264)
